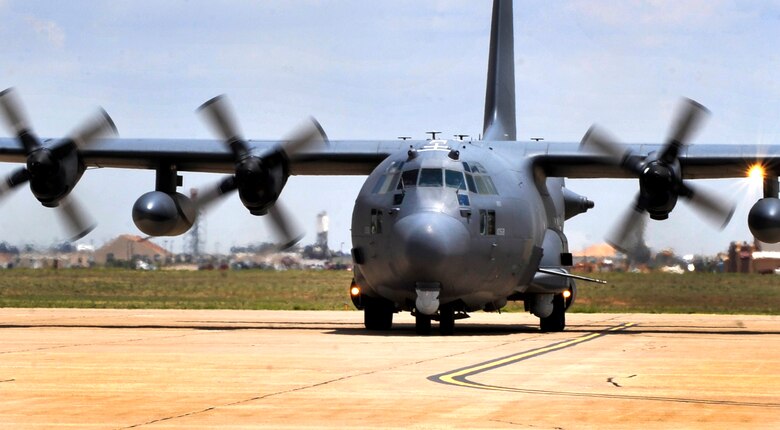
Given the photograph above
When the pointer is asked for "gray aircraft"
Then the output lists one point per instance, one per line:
(440, 227)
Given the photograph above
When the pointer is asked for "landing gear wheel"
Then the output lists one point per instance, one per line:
(378, 314)
(446, 320)
(422, 324)
(557, 319)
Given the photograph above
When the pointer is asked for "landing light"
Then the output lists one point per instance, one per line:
(756, 172)
(354, 291)
(566, 294)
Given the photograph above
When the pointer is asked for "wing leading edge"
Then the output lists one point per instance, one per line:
(360, 157)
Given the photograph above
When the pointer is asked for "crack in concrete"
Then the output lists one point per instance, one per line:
(524, 425)
(74, 345)
(319, 384)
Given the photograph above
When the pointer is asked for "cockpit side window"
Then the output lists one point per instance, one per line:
(454, 179)
(430, 178)
(470, 182)
(485, 185)
(408, 179)
(477, 168)
(386, 183)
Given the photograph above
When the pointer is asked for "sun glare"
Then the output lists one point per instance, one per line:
(756, 172)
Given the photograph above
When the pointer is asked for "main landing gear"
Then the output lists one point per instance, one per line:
(557, 319)
(377, 313)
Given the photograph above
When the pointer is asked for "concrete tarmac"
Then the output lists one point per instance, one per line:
(153, 369)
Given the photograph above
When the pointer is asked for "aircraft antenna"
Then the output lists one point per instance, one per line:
(404, 137)
(433, 134)
(461, 136)
(536, 139)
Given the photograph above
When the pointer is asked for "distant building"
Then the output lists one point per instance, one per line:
(600, 250)
(757, 258)
(595, 258)
(129, 247)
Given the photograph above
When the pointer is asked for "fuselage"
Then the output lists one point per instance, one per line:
(453, 216)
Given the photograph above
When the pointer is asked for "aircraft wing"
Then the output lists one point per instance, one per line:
(701, 161)
(360, 157)
(337, 158)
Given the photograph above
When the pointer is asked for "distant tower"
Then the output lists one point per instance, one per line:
(322, 229)
(194, 239)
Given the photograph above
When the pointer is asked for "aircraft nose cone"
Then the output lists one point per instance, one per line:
(430, 244)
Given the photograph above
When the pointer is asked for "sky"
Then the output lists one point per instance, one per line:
(382, 69)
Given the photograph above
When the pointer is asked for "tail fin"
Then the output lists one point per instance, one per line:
(500, 123)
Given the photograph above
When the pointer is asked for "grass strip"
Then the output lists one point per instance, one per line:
(327, 290)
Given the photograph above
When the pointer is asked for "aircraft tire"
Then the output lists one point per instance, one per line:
(446, 321)
(422, 324)
(557, 320)
(378, 314)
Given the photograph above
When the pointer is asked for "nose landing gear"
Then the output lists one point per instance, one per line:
(446, 317)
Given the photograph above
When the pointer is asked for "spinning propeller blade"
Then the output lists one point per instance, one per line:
(258, 179)
(659, 176)
(46, 166)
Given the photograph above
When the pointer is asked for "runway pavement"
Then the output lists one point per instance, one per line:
(151, 369)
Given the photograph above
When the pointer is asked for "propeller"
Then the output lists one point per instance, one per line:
(660, 178)
(53, 171)
(258, 179)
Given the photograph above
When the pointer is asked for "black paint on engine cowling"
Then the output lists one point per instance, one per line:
(161, 214)
(260, 181)
(764, 220)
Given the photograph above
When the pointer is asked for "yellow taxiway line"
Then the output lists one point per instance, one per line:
(459, 377)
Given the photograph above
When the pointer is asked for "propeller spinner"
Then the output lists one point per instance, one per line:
(53, 171)
(660, 178)
(258, 179)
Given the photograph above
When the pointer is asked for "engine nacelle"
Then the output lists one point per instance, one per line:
(764, 220)
(659, 187)
(260, 181)
(161, 214)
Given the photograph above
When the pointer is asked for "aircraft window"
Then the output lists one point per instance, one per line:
(491, 186)
(386, 183)
(408, 179)
(466, 167)
(454, 179)
(470, 182)
(395, 166)
(376, 221)
(398, 198)
(481, 187)
(487, 222)
(477, 168)
(430, 178)
(463, 199)
(378, 184)
(485, 185)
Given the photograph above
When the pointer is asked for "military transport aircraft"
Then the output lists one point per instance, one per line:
(440, 227)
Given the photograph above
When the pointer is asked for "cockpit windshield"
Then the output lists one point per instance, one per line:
(430, 178)
(454, 179)
(474, 178)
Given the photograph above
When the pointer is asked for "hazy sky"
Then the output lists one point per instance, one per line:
(382, 69)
